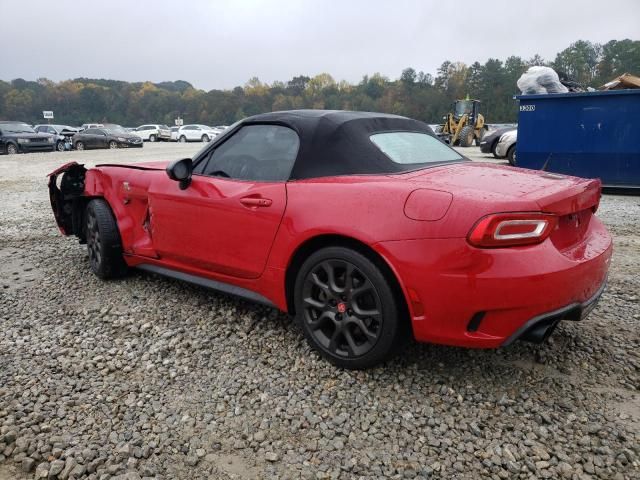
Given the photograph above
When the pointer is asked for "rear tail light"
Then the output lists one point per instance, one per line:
(511, 229)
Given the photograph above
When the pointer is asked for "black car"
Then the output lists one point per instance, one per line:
(63, 134)
(113, 136)
(489, 143)
(18, 137)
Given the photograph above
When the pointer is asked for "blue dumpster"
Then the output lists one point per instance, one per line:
(591, 134)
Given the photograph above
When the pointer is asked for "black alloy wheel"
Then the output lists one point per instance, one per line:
(94, 246)
(103, 241)
(347, 309)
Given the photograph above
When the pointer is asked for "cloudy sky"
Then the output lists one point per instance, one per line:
(221, 44)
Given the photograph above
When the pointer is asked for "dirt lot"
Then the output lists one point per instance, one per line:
(149, 377)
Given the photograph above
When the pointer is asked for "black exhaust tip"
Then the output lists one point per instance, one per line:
(541, 331)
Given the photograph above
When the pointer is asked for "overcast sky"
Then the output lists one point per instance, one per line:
(221, 44)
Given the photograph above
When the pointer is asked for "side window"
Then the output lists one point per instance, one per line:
(255, 152)
(51, 130)
(90, 131)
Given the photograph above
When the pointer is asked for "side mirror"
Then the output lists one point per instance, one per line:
(180, 171)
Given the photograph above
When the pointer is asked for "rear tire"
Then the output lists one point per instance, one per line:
(346, 309)
(152, 138)
(182, 139)
(103, 241)
(511, 155)
(465, 138)
(79, 146)
(205, 138)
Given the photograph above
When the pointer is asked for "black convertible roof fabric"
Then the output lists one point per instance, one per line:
(336, 142)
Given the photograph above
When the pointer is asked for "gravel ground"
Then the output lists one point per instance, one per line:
(149, 377)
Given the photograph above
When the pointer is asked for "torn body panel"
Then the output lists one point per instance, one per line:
(66, 192)
(72, 186)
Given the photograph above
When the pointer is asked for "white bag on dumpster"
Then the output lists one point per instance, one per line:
(540, 80)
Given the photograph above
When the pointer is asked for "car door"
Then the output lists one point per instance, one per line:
(227, 219)
(97, 138)
(88, 138)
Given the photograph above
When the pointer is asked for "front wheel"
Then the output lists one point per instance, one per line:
(60, 146)
(205, 138)
(183, 139)
(347, 309)
(12, 149)
(466, 136)
(103, 241)
(152, 138)
(113, 144)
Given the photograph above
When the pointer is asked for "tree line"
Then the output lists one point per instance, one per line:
(415, 94)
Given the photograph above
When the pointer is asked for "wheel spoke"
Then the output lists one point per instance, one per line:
(333, 343)
(321, 321)
(361, 313)
(365, 330)
(361, 289)
(331, 274)
(354, 349)
(312, 302)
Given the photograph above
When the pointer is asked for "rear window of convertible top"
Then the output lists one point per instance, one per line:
(413, 148)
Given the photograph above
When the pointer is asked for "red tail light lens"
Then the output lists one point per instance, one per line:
(511, 229)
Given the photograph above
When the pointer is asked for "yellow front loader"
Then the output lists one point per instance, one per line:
(464, 125)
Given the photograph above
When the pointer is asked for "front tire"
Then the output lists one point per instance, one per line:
(182, 139)
(347, 309)
(113, 144)
(152, 138)
(205, 138)
(465, 139)
(12, 149)
(103, 241)
(60, 146)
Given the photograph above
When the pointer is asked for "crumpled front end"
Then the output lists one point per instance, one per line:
(66, 193)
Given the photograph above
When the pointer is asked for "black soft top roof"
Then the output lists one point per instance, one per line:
(336, 142)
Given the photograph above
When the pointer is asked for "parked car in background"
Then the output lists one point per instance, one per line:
(18, 137)
(506, 146)
(91, 125)
(196, 133)
(489, 142)
(63, 133)
(284, 208)
(113, 136)
(174, 134)
(154, 132)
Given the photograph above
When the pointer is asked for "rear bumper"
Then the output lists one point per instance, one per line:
(538, 329)
(485, 298)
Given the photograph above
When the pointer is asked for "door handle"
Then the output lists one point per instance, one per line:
(256, 202)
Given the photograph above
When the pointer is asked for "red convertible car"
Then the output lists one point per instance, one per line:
(364, 226)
